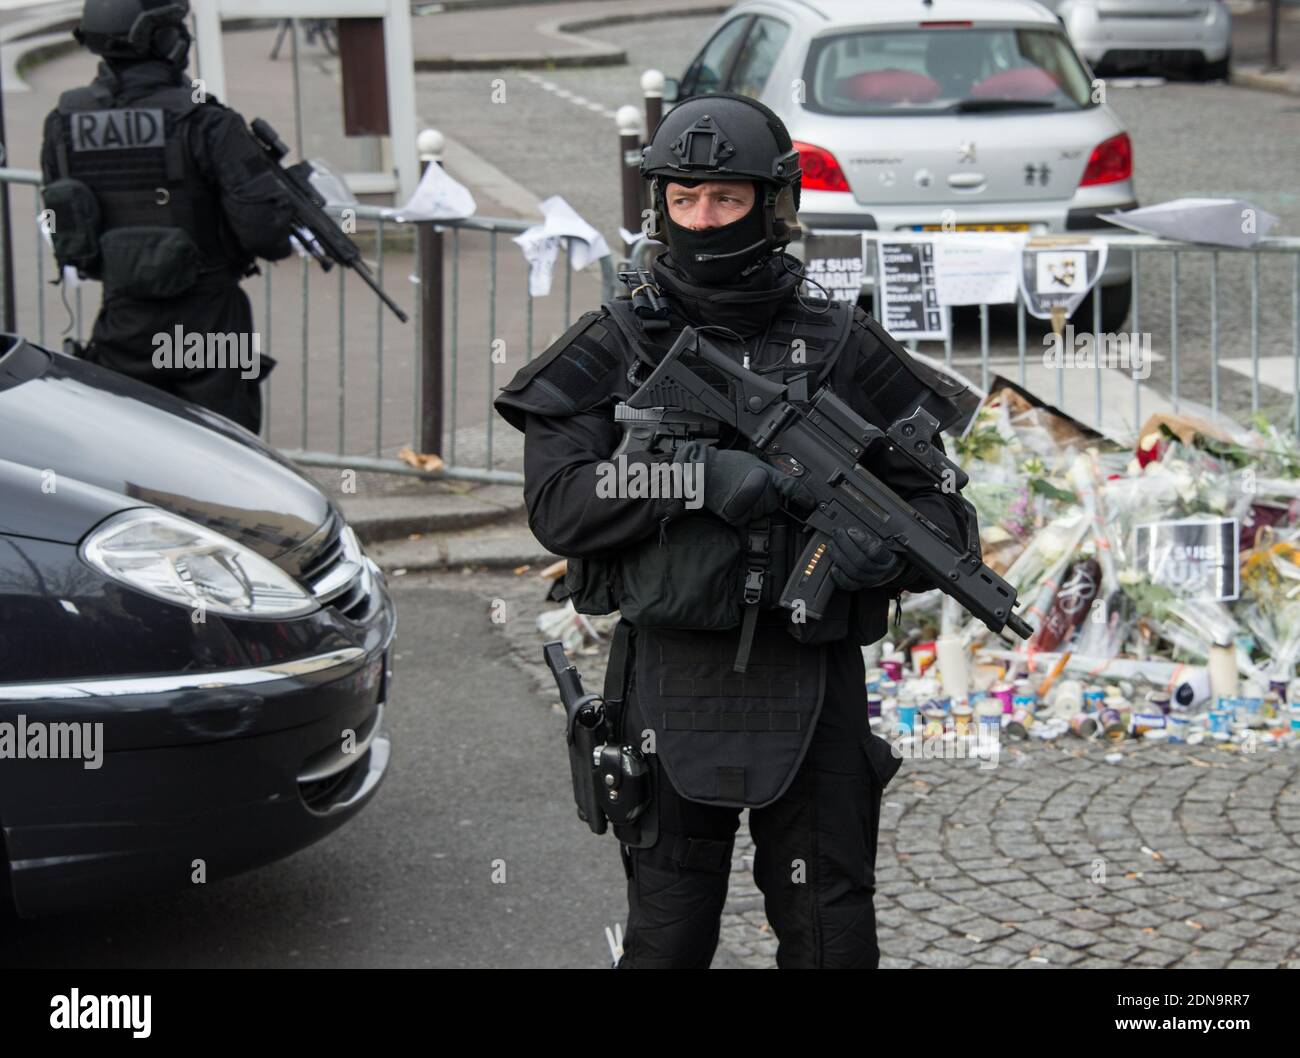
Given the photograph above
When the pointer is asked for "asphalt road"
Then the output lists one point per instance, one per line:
(477, 781)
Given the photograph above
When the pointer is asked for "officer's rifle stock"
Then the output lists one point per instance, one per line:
(325, 240)
(820, 442)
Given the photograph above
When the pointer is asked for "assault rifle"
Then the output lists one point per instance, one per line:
(321, 237)
(820, 442)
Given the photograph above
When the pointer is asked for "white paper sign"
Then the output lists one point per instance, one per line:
(541, 243)
(977, 268)
(1219, 221)
(437, 197)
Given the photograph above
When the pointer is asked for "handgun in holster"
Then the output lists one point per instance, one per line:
(611, 781)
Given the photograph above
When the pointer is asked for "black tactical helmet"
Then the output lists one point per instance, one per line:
(723, 136)
(135, 29)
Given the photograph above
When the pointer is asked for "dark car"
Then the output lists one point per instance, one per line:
(194, 649)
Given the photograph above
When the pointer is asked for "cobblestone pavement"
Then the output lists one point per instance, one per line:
(1173, 856)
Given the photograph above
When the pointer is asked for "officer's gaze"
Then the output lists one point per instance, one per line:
(710, 205)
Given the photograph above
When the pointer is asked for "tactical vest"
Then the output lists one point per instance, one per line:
(128, 206)
(730, 685)
(700, 573)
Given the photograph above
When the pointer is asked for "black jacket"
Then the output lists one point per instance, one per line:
(255, 211)
(253, 219)
(569, 427)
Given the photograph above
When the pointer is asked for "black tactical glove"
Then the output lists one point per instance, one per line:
(861, 560)
(738, 486)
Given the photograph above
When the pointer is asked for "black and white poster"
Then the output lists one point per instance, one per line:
(1195, 558)
(1057, 276)
(837, 263)
(908, 295)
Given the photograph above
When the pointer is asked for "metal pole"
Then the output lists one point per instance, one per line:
(1173, 327)
(1214, 333)
(492, 335)
(1137, 329)
(9, 320)
(1254, 332)
(1274, 14)
(652, 90)
(629, 159)
(297, 88)
(431, 312)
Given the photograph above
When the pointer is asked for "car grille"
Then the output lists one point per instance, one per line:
(341, 576)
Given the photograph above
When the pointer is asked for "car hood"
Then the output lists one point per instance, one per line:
(102, 434)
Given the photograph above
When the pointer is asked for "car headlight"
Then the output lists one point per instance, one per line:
(179, 561)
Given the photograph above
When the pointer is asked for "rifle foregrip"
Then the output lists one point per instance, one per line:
(811, 583)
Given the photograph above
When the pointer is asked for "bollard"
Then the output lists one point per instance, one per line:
(429, 255)
(652, 89)
(628, 120)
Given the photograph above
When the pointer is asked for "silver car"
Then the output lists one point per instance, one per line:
(1194, 36)
(907, 115)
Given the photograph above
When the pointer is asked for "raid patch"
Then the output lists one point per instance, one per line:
(116, 130)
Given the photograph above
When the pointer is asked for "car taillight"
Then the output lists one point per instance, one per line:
(1111, 160)
(821, 172)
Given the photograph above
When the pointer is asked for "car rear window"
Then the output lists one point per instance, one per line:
(944, 70)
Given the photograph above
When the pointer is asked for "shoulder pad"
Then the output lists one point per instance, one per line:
(179, 99)
(897, 382)
(85, 97)
(575, 372)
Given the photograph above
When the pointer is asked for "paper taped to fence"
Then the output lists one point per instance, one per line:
(837, 264)
(905, 287)
(977, 268)
(1055, 275)
(541, 243)
(437, 197)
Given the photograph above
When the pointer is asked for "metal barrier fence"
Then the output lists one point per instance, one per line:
(361, 385)
(453, 375)
(1164, 275)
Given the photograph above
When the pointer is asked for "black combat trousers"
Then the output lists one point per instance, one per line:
(814, 858)
(123, 339)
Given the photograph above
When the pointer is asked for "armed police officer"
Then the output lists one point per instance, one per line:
(734, 702)
(160, 192)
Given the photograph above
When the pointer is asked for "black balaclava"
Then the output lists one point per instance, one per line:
(746, 234)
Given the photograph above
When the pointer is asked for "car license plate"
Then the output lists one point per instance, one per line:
(971, 227)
